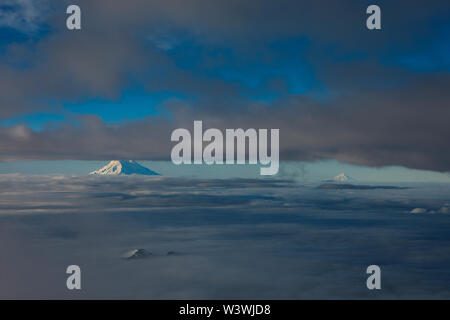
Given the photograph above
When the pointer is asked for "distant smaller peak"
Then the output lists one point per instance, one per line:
(342, 177)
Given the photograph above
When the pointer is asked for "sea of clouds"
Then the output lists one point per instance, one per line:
(228, 238)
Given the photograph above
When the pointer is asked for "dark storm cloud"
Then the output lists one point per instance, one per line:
(376, 112)
(106, 56)
(372, 127)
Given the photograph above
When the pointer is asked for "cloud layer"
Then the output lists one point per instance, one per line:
(368, 98)
(234, 239)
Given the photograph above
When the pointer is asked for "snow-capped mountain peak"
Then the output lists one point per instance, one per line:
(341, 178)
(124, 167)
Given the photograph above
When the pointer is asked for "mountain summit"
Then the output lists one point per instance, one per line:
(124, 167)
(341, 178)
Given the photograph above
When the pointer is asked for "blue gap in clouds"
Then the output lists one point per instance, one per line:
(35, 121)
(132, 105)
(265, 73)
(427, 53)
(9, 36)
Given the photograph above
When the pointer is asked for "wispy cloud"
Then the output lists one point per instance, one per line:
(23, 15)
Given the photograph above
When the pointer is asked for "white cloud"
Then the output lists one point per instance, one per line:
(22, 15)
